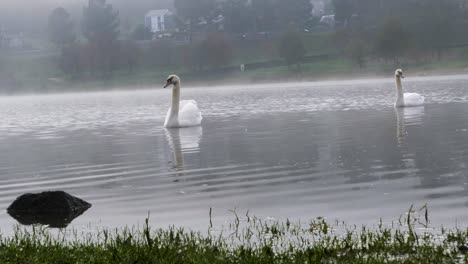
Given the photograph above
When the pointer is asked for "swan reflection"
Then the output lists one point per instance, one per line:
(407, 116)
(183, 141)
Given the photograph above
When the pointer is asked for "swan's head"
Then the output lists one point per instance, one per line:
(399, 73)
(172, 80)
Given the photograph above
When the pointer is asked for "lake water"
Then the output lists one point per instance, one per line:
(332, 149)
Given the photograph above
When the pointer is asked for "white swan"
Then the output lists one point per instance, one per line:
(407, 99)
(182, 113)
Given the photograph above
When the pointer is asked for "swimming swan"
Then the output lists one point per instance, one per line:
(182, 113)
(407, 99)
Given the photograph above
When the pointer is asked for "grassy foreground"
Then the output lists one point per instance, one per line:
(246, 240)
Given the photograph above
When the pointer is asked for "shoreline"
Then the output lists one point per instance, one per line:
(245, 240)
(228, 82)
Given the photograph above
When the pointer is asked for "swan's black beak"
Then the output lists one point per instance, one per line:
(402, 76)
(167, 84)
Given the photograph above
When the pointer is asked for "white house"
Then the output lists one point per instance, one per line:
(328, 20)
(319, 8)
(12, 41)
(156, 20)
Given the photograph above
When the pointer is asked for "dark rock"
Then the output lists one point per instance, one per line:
(463, 248)
(55, 209)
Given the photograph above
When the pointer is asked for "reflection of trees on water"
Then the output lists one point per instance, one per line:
(366, 146)
(370, 151)
(425, 146)
(439, 150)
(270, 149)
(355, 147)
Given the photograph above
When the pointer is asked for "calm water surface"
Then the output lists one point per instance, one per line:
(333, 149)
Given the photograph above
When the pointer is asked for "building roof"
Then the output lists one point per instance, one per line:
(158, 12)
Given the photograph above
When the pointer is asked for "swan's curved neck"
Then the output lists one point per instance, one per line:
(399, 89)
(401, 131)
(175, 100)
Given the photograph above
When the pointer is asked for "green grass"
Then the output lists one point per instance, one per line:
(442, 65)
(40, 73)
(319, 43)
(246, 240)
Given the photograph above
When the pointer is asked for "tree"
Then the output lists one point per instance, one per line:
(71, 60)
(60, 28)
(141, 32)
(100, 22)
(294, 13)
(264, 14)
(128, 56)
(393, 41)
(344, 9)
(163, 54)
(237, 16)
(191, 11)
(434, 22)
(215, 50)
(2, 64)
(100, 27)
(292, 48)
(357, 50)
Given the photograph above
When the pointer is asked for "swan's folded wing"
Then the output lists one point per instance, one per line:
(189, 103)
(189, 114)
(413, 99)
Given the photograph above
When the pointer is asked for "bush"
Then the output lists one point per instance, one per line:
(291, 48)
(216, 51)
(141, 33)
(393, 41)
(357, 50)
(71, 60)
(128, 56)
(80, 59)
(213, 52)
(60, 28)
(162, 53)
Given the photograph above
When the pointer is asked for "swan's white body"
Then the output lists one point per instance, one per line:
(406, 99)
(189, 115)
(181, 113)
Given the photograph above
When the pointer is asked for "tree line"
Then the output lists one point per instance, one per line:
(383, 29)
(104, 52)
(242, 16)
(399, 29)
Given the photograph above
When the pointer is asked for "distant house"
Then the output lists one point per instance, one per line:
(319, 8)
(158, 20)
(328, 20)
(12, 41)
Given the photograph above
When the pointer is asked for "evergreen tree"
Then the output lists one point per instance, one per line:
(60, 28)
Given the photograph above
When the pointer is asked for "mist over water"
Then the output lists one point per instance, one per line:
(333, 149)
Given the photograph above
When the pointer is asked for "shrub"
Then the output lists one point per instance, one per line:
(291, 48)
